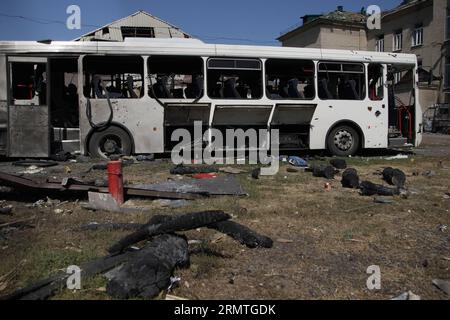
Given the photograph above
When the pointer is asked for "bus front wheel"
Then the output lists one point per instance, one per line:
(112, 140)
(343, 141)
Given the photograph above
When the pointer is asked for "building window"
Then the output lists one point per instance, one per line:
(341, 81)
(137, 32)
(235, 79)
(379, 46)
(115, 77)
(398, 40)
(447, 73)
(290, 79)
(448, 24)
(175, 77)
(417, 36)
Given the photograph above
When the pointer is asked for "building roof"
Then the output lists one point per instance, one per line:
(405, 7)
(338, 16)
(139, 19)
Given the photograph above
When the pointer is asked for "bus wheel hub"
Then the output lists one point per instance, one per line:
(110, 146)
(343, 140)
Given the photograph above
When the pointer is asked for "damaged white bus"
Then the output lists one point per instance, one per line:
(101, 98)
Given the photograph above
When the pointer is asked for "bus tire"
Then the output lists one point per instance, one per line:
(112, 140)
(343, 141)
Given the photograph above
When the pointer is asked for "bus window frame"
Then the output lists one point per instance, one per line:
(180, 100)
(83, 71)
(364, 73)
(262, 70)
(314, 80)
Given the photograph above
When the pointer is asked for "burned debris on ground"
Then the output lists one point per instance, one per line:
(142, 264)
(145, 272)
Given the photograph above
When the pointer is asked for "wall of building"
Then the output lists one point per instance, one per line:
(431, 55)
(345, 38)
(304, 39)
(328, 37)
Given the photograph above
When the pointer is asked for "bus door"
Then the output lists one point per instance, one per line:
(28, 108)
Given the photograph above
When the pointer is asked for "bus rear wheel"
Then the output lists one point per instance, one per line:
(110, 141)
(343, 141)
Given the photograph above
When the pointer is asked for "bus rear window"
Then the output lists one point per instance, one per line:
(341, 81)
(290, 79)
(116, 77)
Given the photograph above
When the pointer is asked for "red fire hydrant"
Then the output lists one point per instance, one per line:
(115, 181)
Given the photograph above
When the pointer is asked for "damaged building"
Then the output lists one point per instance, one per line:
(138, 25)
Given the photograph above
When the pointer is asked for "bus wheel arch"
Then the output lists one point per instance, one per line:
(344, 138)
(103, 141)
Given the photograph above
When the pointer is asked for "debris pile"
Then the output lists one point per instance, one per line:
(145, 272)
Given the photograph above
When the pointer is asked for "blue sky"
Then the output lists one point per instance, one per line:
(259, 21)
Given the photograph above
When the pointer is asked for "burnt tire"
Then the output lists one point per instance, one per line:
(112, 140)
(343, 141)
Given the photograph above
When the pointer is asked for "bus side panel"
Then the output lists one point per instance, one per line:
(3, 104)
(361, 113)
(142, 118)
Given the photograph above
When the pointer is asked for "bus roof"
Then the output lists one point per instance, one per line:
(195, 47)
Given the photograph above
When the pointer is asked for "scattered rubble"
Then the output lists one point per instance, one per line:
(7, 210)
(395, 177)
(398, 157)
(350, 179)
(184, 222)
(145, 272)
(95, 226)
(340, 164)
(382, 200)
(150, 272)
(256, 173)
(298, 162)
(443, 285)
(185, 170)
(231, 170)
(370, 189)
(407, 296)
(327, 172)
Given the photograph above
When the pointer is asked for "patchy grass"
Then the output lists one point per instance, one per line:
(324, 240)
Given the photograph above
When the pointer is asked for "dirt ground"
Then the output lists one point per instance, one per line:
(324, 241)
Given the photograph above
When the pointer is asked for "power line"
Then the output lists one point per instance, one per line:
(204, 37)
